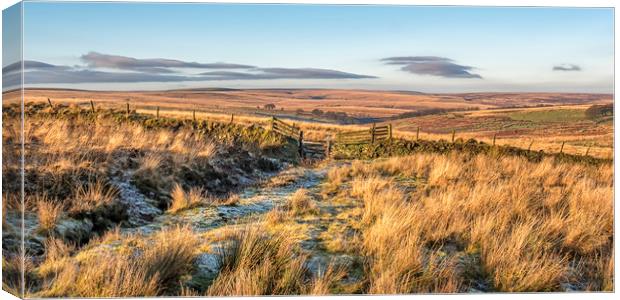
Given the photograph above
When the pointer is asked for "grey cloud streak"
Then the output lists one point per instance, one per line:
(43, 73)
(432, 65)
(283, 73)
(566, 67)
(150, 65)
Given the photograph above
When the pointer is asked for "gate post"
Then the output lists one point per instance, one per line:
(301, 144)
(328, 148)
(372, 133)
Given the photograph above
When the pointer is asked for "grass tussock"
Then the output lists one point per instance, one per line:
(301, 202)
(257, 263)
(93, 196)
(147, 271)
(183, 200)
(49, 213)
(524, 226)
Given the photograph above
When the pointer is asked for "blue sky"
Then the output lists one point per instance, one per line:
(430, 49)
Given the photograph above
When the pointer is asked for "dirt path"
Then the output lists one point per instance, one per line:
(325, 235)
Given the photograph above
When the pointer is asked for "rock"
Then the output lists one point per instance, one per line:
(73, 230)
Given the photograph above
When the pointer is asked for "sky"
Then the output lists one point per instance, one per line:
(139, 46)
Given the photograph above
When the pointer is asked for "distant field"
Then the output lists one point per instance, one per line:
(555, 115)
(358, 103)
(542, 120)
(545, 128)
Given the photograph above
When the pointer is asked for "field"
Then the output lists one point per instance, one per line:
(128, 203)
(540, 121)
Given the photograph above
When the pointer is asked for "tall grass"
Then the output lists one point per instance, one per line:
(49, 214)
(183, 200)
(255, 263)
(528, 226)
(106, 273)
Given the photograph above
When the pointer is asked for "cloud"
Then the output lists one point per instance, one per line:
(28, 64)
(283, 73)
(150, 65)
(43, 73)
(566, 67)
(432, 65)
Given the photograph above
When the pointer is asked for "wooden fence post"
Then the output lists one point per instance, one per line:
(372, 134)
(562, 148)
(50, 102)
(390, 130)
(301, 144)
(453, 133)
(232, 118)
(157, 114)
(494, 135)
(92, 106)
(417, 134)
(530, 146)
(588, 150)
(128, 110)
(194, 115)
(328, 148)
(273, 121)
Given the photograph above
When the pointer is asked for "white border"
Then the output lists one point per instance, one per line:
(535, 3)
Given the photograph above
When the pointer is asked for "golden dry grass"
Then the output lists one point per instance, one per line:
(160, 261)
(530, 226)
(258, 263)
(301, 203)
(70, 161)
(182, 200)
(49, 214)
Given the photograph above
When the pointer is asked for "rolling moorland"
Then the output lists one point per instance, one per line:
(224, 205)
(540, 121)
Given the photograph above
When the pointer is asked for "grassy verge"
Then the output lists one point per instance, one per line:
(456, 223)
